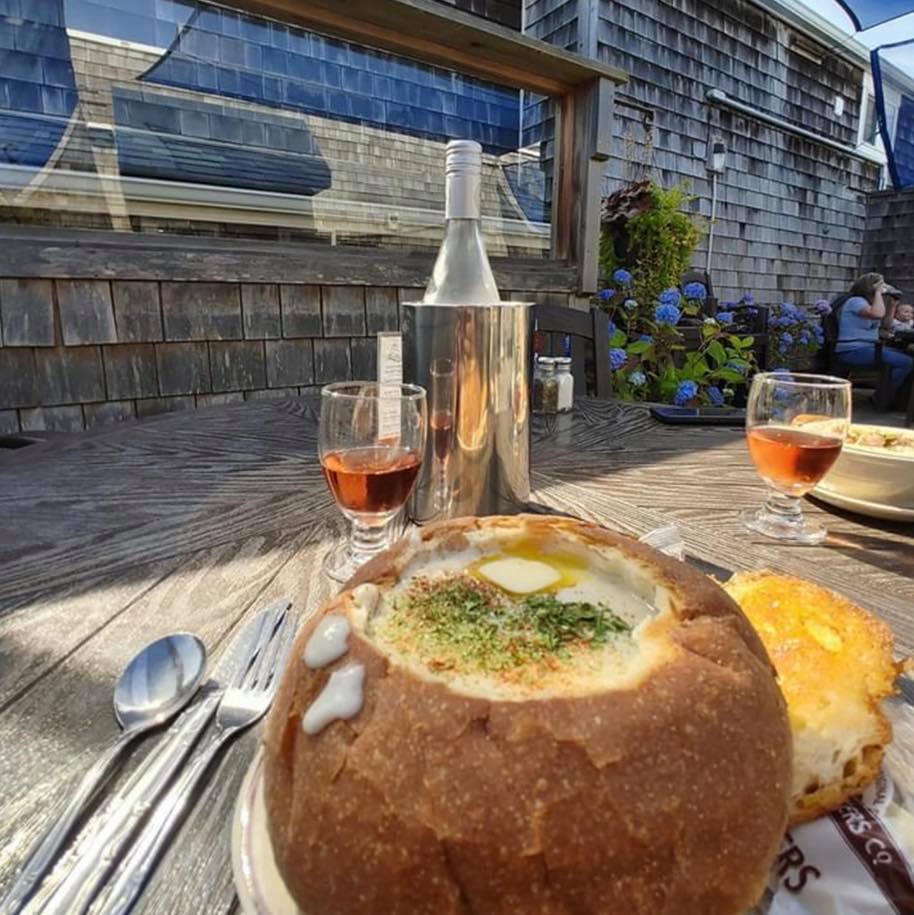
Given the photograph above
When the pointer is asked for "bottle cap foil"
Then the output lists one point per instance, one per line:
(463, 157)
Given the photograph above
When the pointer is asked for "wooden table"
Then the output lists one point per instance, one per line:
(194, 520)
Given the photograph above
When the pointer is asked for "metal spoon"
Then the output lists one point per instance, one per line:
(153, 688)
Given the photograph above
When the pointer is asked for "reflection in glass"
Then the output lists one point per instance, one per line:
(442, 410)
(165, 116)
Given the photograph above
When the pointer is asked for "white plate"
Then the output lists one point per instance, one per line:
(261, 890)
(862, 506)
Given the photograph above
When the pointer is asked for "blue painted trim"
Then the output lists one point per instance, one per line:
(881, 118)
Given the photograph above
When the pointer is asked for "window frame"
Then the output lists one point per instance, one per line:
(582, 91)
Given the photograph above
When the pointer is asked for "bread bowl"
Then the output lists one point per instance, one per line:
(640, 766)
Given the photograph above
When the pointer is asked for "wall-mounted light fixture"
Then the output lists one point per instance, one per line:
(717, 157)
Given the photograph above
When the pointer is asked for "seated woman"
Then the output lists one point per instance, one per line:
(859, 317)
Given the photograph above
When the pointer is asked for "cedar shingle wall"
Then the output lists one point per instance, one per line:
(791, 213)
(888, 246)
(77, 351)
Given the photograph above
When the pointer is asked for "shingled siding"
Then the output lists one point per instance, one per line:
(791, 213)
(887, 244)
(504, 12)
(173, 325)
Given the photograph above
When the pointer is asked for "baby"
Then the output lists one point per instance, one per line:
(904, 318)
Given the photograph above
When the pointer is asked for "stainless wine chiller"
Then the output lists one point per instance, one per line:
(474, 362)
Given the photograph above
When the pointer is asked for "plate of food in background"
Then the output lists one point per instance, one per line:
(874, 474)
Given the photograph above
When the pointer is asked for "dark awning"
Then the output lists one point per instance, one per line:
(867, 13)
(893, 78)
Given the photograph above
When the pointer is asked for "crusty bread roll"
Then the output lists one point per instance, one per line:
(834, 664)
(618, 746)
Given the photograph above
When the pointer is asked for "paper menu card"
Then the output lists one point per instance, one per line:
(390, 379)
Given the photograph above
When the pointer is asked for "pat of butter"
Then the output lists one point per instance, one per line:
(520, 576)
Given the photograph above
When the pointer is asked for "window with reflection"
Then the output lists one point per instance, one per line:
(179, 116)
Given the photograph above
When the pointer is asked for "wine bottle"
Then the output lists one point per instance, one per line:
(462, 275)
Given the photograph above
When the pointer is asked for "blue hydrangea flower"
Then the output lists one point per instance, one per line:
(617, 358)
(788, 308)
(646, 338)
(637, 379)
(670, 297)
(804, 337)
(622, 277)
(630, 304)
(820, 334)
(823, 307)
(686, 391)
(612, 328)
(695, 291)
(748, 299)
(715, 396)
(667, 314)
(724, 317)
(786, 339)
(607, 294)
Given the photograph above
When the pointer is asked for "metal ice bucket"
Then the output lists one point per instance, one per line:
(474, 362)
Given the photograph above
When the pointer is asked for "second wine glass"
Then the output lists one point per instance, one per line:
(795, 426)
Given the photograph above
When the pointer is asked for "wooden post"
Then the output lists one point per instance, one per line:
(583, 142)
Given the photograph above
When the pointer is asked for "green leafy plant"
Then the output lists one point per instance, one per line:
(647, 228)
(648, 356)
(794, 334)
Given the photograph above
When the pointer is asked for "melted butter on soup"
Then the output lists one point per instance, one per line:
(513, 618)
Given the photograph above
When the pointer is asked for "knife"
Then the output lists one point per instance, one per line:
(86, 868)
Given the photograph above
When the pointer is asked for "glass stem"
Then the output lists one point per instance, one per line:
(366, 540)
(784, 506)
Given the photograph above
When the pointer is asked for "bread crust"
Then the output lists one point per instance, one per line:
(788, 611)
(669, 798)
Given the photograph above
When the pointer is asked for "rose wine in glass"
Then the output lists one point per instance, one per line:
(795, 428)
(442, 407)
(371, 480)
(442, 427)
(372, 438)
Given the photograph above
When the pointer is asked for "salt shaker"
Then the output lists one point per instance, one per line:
(565, 381)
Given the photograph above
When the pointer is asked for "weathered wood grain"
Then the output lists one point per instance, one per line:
(32, 252)
(192, 521)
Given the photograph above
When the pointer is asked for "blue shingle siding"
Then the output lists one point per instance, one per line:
(150, 22)
(37, 87)
(181, 139)
(287, 67)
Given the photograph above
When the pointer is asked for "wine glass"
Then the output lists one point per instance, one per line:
(371, 443)
(442, 406)
(795, 427)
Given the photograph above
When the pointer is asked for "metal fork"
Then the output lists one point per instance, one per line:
(241, 706)
(73, 886)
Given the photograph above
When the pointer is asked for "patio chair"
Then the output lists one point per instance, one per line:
(589, 332)
(876, 376)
